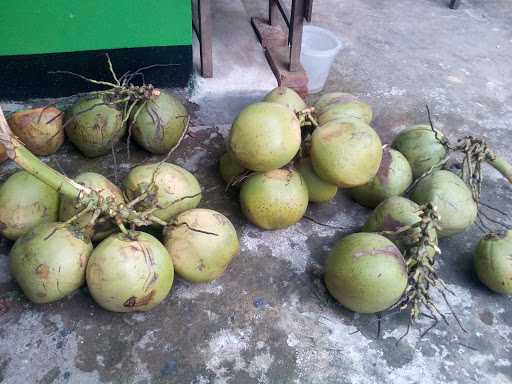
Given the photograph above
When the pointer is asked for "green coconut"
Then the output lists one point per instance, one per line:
(128, 273)
(24, 203)
(160, 123)
(287, 97)
(393, 214)
(421, 148)
(453, 199)
(177, 189)
(341, 111)
(40, 129)
(201, 243)
(107, 190)
(229, 167)
(331, 98)
(265, 136)
(274, 199)
(319, 191)
(366, 273)
(346, 153)
(392, 179)
(94, 127)
(49, 261)
(493, 262)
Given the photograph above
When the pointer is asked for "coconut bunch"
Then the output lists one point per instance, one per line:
(283, 154)
(98, 120)
(492, 261)
(40, 129)
(415, 203)
(88, 230)
(392, 263)
(154, 118)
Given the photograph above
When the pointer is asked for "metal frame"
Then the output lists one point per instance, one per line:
(203, 28)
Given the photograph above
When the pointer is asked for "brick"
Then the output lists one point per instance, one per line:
(269, 35)
(279, 63)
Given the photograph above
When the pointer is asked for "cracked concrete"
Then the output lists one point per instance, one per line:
(269, 319)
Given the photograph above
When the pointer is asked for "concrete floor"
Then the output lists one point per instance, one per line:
(269, 318)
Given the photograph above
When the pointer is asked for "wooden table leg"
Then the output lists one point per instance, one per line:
(454, 4)
(296, 24)
(205, 37)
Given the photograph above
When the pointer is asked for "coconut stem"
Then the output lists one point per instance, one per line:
(502, 166)
(475, 151)
(30, 163)
(80, 214)
(421, 254)
(306, 117)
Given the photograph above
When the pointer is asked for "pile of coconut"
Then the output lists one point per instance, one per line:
(89, 230)
(283, 154)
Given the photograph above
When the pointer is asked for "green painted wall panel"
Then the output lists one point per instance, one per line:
(47, 26)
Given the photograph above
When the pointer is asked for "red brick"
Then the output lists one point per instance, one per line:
(279, 62)
(269, 35)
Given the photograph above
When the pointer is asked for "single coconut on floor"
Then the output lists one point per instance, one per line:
(40, 129)
(94, 126)
(201, 243)
(421, 147)
(274, 199)
(493, 262)
(331, 98)
(265, 136)
(339, 106)
(230, 168)
(49, 261)
(286, 97)
(392, 179)
(158, 123)
(346, 153)
(452, 198)
(366, 273)
(393, 215)
(169, 188)
(25, 202)
(129, 272)
(319, 191)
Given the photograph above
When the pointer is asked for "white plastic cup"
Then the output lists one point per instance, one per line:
(319, 49)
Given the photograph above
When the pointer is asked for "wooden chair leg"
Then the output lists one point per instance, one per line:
(205, 37)
(454, 4)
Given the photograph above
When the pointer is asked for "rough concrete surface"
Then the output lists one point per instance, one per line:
(268, 319)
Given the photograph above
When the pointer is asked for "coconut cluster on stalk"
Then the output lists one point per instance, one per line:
(127, 269)
(417, 201)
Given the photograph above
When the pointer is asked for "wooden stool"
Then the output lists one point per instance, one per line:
(282, 49)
